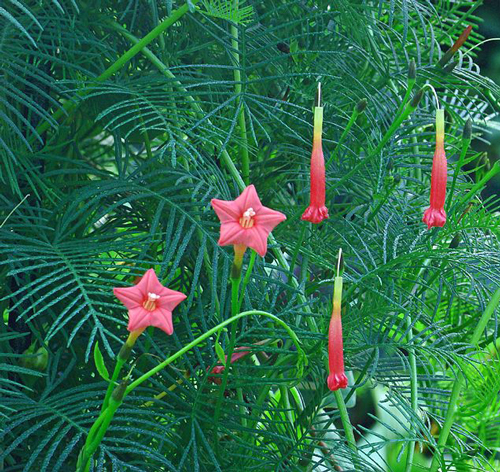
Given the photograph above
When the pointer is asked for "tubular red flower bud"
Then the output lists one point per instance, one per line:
(456, 46)
(435, 214)
(239, 353)
(337, 378)
(461, 39)
(316, 212)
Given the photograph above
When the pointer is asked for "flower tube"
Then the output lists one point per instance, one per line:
(336, 378)
(435, 215)
(316, 212)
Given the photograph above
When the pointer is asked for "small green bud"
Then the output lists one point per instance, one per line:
(119, 391)
(416, 98)
(361, 105)
(446, 57)
(455, 241)
(467, 133)
(37, 360)
(486, 162)
(412, 70)
(397, 178)
(283, 47)
(389, 182)
(449, 67)
(125, 352)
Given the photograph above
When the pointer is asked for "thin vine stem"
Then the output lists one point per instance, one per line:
(119, 63)
(346, 422)
(206, 335)
(245, 159)
(460, 381)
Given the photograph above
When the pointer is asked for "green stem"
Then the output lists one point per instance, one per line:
(351, 121)
(112, 382)
(414, 390)
(460, 381)
(106, 421)
(121, 61)
(460, 163)
(245, 160)
(106, 417)
(246, 279)
(235, 285)
(206, 335)
(416, 157)
(346, 422)
(392, 129)
(381, 203)
(479, 185)
(297, 248)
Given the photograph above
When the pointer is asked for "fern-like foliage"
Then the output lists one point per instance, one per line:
(117, 175)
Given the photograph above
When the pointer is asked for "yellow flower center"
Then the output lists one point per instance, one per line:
(247, 221)
(150, 303)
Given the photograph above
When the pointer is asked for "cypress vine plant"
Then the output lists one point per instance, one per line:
(122, 120)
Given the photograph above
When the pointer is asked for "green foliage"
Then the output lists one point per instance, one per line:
(122, 182)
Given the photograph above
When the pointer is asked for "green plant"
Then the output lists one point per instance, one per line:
(120, 121)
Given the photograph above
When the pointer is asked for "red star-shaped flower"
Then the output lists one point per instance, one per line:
(149, 303)
(245, 221)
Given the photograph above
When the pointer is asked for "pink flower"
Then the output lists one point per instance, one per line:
(149, 303)
(316, 212)
(245, 221)
(435, 214)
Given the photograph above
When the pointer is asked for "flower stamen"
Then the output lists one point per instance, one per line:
(247, 221)
(150, 303)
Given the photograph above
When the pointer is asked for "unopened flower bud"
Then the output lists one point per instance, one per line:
(361, 105)
(467, 133)
(35, 360)
(455, 241)
(119, 391)
(397, 178)
(283, 47)
(412, 70)
(449, 67)
(416, 98)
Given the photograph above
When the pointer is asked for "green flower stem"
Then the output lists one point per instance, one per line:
(479, 185)
(346, 422)
(381, 203)
(406, 98)
(106, 417)
(416, 154)
(235, 285)
(206, 335)
(413, 391)
(89, 450)
(348, 127)
(297, 248)
(112, 382)
(408, 109)
(460, 381)
(122, 60)
(458, 167)
(245, 160)
(246, 279)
